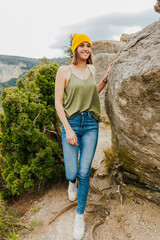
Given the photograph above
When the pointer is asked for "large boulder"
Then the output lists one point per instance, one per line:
(109, 46)
(133, 106)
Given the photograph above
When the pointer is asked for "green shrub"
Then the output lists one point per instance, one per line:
(30, 141)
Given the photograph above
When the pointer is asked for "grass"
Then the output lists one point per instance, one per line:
(36, 209)
(35, 223)
(8, 224)
(13, 236)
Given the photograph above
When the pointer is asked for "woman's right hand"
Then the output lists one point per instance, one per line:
(71, 137)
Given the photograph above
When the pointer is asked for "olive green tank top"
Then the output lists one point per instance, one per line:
(81, 95)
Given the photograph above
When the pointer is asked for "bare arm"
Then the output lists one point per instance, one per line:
(59, 92)
(104, 80)
(102, 84)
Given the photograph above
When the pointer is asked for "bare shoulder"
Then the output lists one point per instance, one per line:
(92, 68)
(63, 69)
(63, 75)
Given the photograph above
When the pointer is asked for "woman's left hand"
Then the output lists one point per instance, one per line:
(109, 68)
(104, 80)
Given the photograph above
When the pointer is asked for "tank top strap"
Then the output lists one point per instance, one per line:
(89, 68)
(91, 73)
(70, 68)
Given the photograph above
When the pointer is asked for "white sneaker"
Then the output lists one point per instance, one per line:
(79, 229)
(72, 191)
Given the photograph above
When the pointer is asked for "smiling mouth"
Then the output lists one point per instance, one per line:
(84, 53)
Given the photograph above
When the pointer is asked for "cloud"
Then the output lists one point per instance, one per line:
(107, 27)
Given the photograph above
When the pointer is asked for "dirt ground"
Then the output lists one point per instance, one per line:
(51, 216)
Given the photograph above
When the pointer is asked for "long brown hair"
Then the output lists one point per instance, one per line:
(76, 57)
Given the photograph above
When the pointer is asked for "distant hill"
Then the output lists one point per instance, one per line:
(15, 60)
(13, 67)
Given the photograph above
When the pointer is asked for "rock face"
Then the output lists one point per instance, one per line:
(133, 106)
(107, 46)
(12, 67)
(104, 53)
(125, 37)
(11, 71)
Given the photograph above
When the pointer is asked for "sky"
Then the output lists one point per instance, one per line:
(38, 28)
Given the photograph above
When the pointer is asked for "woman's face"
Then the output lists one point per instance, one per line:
(84, 50)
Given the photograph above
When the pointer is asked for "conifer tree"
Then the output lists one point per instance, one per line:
(30, 138)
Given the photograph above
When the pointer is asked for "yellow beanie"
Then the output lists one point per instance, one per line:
(78, 38)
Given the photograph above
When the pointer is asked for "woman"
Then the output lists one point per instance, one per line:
(80, 118)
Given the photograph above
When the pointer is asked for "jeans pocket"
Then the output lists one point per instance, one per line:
(91, 116)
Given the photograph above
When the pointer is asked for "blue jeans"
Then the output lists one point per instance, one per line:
(78, 159)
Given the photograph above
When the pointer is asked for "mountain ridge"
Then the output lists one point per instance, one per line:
(12, 67)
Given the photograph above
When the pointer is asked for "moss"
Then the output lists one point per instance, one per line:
(143, 172)
(129, 161)
(141, 180)
(132, 191)
(111, 158)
